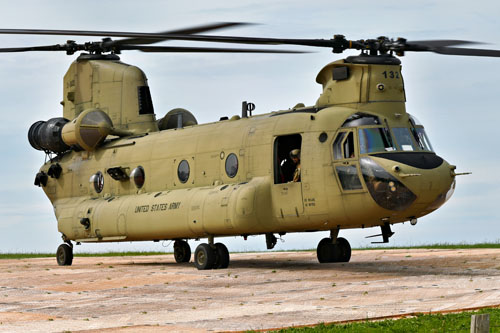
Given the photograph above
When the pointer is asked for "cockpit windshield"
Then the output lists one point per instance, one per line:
(375, 140)
(374, 137)
(403, 138)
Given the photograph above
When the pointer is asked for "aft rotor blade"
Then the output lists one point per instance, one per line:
(57, 47)
(179, 49)
(160, 36)
(187, 31)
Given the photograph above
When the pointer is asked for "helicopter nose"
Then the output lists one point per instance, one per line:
(433, 187)
(415, 189)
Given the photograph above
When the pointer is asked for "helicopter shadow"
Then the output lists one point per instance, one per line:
(402, 268)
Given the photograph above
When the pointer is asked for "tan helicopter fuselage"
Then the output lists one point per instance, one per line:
(258, 199)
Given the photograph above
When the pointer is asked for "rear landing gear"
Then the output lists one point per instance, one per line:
(328, 251)
(221, 257)
(64, 255)
(182, 251)
(211, 256)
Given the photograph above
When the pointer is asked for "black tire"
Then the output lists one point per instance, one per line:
(222, 256)
(204, 257)
(326, 251)
(182, 251)
(64, 255)
(344, 249)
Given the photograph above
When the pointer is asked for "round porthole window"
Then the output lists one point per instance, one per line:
(138, 176)
(231, 165)
(97, 180)
(183, 171)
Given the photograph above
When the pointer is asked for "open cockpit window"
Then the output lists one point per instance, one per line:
(343, 146)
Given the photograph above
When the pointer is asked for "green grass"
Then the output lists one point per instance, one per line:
(154, 253)
(437, 246)
(99, 254)
(424, 246)
(455, 322)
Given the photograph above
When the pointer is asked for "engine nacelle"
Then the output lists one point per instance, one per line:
(47, 135)
(86, 131)
(177, 118)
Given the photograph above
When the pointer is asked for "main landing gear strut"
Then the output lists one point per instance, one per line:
(209, 256)
(333, 249)
(206, 256)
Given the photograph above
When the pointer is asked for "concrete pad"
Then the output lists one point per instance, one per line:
(257, 291)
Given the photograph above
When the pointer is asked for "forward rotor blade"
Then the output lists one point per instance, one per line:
(179, 49)
(467, 52)
(442, 42)
(338, 43)
(187, 31)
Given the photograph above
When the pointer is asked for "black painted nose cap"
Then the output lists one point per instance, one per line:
(415, 159)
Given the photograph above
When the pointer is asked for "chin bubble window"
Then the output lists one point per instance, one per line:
(138, 176)
(97, 180)
(231, 165)
(183, 171)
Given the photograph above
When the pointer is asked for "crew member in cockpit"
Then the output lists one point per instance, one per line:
(295, 156)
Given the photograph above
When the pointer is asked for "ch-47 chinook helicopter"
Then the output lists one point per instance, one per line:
(113, 172)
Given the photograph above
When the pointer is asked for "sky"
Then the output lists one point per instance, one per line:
(456, 98)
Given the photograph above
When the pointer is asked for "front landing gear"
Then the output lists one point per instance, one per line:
(330, 251)
(211, 256)
(64, 255)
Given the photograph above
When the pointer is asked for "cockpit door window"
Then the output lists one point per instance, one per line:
(348, 176)
(345, 164)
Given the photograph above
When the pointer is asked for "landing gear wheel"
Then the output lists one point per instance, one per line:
(204, 257)
(182, 251)
(327, 251)
(222, 256)
(64, 255)
(344, 249)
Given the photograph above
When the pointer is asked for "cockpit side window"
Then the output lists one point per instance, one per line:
(337, 146)
(419, 134)
(343, 146)
(422, 139)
